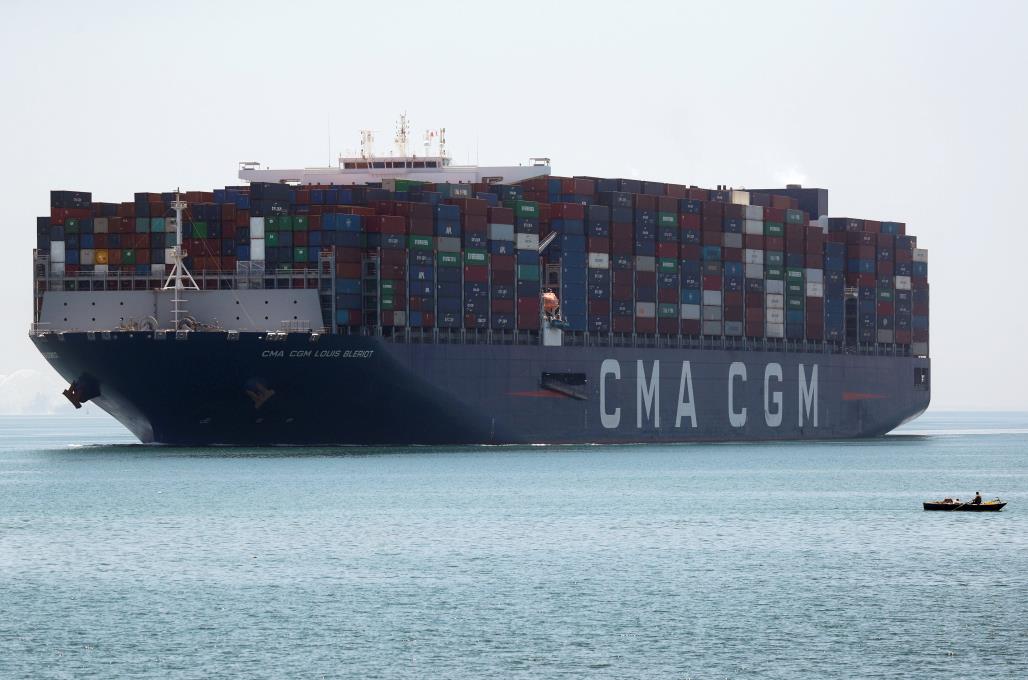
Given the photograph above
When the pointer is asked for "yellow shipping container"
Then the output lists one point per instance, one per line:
(100, 257)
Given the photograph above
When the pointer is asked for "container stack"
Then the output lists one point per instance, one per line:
(628, 256)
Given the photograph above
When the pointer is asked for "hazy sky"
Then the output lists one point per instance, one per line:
(909, 111)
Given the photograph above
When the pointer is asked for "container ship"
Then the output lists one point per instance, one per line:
(402, 299)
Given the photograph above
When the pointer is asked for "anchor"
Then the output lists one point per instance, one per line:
(81, 390)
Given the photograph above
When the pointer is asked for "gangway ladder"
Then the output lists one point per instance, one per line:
(179, 279)
(371, 275)
(326, 288)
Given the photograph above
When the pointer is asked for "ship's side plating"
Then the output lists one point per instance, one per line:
(303, 388)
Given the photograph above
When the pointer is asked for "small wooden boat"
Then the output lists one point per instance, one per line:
(955, 506)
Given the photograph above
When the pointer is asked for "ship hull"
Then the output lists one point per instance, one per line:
(260, 389)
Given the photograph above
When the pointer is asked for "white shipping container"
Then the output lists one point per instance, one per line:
(754, 212)
(919, 349)
(775, 315)
(775, 330)
(645, 263)
(690, 312)
(814, 275)
(733, 328)
(815, 290)
(754, 227)
(754, 271)
(99, 225)
(599, 261)
(156, 269)
(774, 301)
(256, 227)
(501, 232)
(169, 255)
(399, 318)
(256, 249)
(886, 336)
(754, 256)
(920, 255)
(57, 251)
(56, 268)
(712, 312)
(776, 286)
(712, 297)
(902, 283)
(527, 241)
(732, 240)
(86, 256)
(100, 269)
(448, 244)
(646, 310)
(739, 197)
(712, 328)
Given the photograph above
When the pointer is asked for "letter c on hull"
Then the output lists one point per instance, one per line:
(609, 420)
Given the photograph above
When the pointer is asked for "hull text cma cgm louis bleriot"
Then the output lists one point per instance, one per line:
(405, 300)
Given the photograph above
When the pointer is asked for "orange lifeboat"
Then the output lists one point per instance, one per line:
(550, 303)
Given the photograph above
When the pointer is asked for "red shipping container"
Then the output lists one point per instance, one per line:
(500, 215)
(712, 238)
(903, 256)
(645, 325)
(619, 231)
(470, 206)
(385, 224)
(597, 244)
(427, 319)
(690, 252)
(859, 238)
(872, 226)
(667, 325)
(714, 209)
(622, 277)
(712, 282)
(885, 308)
(753, 241)
(667, 249)
(733, 211)
(667, 295)
(918, 308)
(348, 270)
(567, 211)
(502, 306)
(644, 202)
(421, 227)
(347, 254)
(667, 204)
(622, 324)
(646, 279)
(476, 274)
(731, 254)
(734, 298)
(902, 337)
(503, 277)
(621, 293)
(503, 263)
(774, 244)
(885, 268)
(753, 299)
(690, 326)
(710, 222)
(754, 329)
(860, 279)
(690, 221)
(393, 257)
(814, 260)
(814, 332)
(599, 307)
(755, 314)
(920, 335)
(299, 238)
(733, 313)
(622, 247)
(474, 223)
(815, 305)
(860, 252)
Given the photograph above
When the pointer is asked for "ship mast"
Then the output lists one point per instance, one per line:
(180, 278)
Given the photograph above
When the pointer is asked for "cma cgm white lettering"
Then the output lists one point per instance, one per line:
(648, 395)
(317, 354)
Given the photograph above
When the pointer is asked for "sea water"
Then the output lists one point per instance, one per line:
(689, 561)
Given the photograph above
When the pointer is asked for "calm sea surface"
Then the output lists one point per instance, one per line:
(702, 561)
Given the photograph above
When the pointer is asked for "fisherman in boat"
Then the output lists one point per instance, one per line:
(977, 498)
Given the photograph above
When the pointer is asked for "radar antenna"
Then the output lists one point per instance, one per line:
(180, 278)
(402, 129)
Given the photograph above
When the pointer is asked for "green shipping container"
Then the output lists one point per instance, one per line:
(774, 229)
(299, 254)
(142, 225)
(475, 257)
(794, 289)
(667, 310)
(158, 225)
(285, 223)
(794, 303)
(387, 302)
(665, 219)
(420, 242)
(885, 294)
(774, 273)
(300, 223)
(270, 224)
(667, 265)
(271, 239)
(794, 216)
(128, 256)
(524, 208)
(388, 286)
(71, 226)
(528, 272)
(774, 258)
(169, 239)
(199, 230)
(793, 274)
(448, 259)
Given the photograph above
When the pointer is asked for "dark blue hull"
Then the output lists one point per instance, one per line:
(253, 390)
